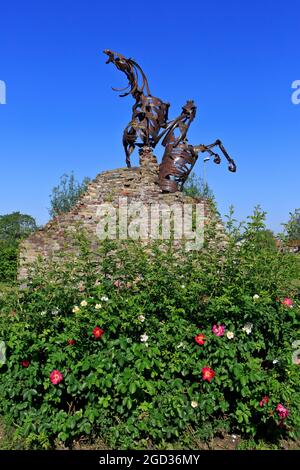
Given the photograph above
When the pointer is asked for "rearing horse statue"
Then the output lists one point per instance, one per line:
(149, 114)
(149, 124)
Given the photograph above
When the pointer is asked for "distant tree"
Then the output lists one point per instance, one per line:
(13, 228)
(196, 187)
(292, 227)
(65, 195)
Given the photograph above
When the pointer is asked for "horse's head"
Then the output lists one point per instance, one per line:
(132, 71)
(115, 58)
(110, 55)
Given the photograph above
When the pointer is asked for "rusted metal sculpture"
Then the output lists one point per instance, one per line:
(179, 157)
(149, 114)
(179, 160)
(149, 124)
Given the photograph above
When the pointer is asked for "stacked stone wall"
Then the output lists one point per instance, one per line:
(136, 184)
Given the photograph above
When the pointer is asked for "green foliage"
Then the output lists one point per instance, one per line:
(13, 228)
(16, 226)
(8, 261)
(66, 194)
(197, 187)
(292, 228)
(141, 382)
(266, 239)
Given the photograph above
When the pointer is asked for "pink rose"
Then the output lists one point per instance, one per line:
(56, 377)
(282, 411)
(218, 330)
(287, 302)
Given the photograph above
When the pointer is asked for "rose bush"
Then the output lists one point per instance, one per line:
(119, 349)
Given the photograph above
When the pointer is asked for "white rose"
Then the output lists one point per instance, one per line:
(247, 328)
(144, 338)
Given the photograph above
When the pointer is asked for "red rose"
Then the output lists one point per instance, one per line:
(25, 363)
(208, 374)
(200, 339)
(264, 401)
(71, 342)
(98, 332)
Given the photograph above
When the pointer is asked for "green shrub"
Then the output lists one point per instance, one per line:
(66, 194)
(8, 261)
(13, 228)
(142, 380)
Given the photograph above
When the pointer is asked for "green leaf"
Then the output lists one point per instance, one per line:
(132, 387)
(243, 380)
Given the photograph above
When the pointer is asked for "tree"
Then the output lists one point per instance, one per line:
(13, 228)
(196, 187)
(66, 194)
(292, 227)
(16, 226)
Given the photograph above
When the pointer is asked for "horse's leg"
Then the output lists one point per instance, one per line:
(232, 165)
(207, 148)
(217, 143)
(128, 152)
(129, 139)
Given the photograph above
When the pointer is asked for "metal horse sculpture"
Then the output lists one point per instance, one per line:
(149, 124)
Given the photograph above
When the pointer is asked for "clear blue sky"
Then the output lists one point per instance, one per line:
(236, 59)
